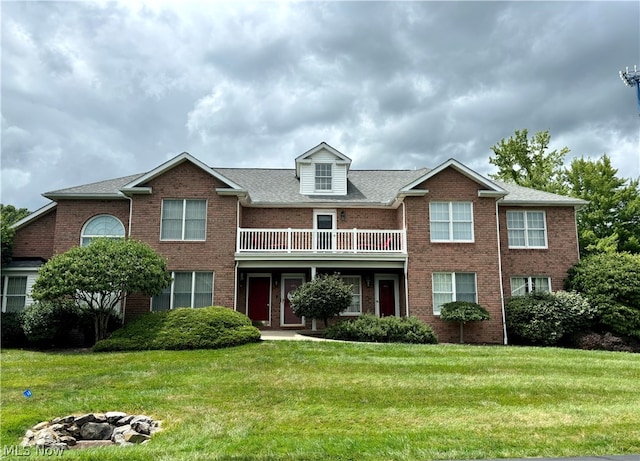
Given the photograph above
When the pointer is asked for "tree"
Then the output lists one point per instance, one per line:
(9, 215)
(96, 277)
(321, 298)
(463, 312)
(527, 162)
(611, 220)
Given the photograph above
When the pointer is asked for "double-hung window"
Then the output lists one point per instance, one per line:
(188, 289)
(527, 229)
(14, 293)
(451, 221)
(183, 219)
(356, 301)
(520, 286)
(323, 177)
(453, 286)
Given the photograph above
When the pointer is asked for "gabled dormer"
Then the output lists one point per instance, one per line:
(322, 171)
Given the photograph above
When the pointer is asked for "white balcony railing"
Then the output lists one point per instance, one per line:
(320, 241)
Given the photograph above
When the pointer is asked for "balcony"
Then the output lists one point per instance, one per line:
(306, 241)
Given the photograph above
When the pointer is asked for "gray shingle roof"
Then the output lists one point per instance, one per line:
(366, 187)
(281, 187)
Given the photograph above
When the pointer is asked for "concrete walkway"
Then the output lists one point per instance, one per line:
(288, 335)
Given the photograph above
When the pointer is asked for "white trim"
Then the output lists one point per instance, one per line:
(193, 287)
(451, 238)
(184, 217)
(526, 230)
(134, 185)
(353, 276)
(334, 216)
(91, 219)
(31, 277)
(31, 217)
(303, 158)
(396, 294)
(500, 281)
(460, 168)
(529, 283)
(453, 287)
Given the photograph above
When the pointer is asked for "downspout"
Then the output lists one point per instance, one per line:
(504, 317)
(406, 261)
(575, 220)
(124, 302)
(235, 288)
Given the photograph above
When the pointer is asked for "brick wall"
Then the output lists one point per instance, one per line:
(36, 239)
(73, 214)
(554, 261)
(302, 218)
(480, 257)
(187, 181)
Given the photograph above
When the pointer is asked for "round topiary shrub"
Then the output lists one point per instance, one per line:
(547, 319)
(463, 312)
(369, 328)
(185, 328)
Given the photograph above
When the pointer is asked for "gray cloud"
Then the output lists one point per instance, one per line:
(92, 91)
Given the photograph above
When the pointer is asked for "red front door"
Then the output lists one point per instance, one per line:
(258, 301)
(387, 297)
(289, 284)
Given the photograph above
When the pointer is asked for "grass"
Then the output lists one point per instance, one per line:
(286, 400)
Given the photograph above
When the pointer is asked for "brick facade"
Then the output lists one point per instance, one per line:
(492, 261)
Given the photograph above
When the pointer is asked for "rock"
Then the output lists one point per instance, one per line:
(68, 440)
(141, 427)
(64, 420)
(114, 416)
(41, 425)
(99, 418)
(96, 431)
(81, 420)
(125, 420)
(73, 430)
(141, 418)
(135, 437)
(81, 444)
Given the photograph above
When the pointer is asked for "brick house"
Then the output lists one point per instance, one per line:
(408, 240)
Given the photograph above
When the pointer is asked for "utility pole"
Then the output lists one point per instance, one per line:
(632, 78)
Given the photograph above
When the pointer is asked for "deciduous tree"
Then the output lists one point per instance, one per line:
(96, 277)
(9, 215)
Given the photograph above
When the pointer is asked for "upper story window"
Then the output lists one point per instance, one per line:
(14, 293)
(188, 289)
(356, 301)
(183, 219)
(451, 221)
(521, 286)
(101, 226)
(453, 286)
(323, 177)
(527, 229)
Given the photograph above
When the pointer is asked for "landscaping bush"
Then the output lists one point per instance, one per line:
(611, 283)
(370, 328)
(185, 328)
(49, 323)
(547, 319)
(462, 312)
(321, 298)
(12, 334)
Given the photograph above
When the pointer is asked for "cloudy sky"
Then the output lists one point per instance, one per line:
(98, 90)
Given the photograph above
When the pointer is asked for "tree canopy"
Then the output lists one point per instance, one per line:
(9, 215)
(321, 298)
(97, 276)
(611, 220)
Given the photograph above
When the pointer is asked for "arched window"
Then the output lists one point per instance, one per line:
(101, 226)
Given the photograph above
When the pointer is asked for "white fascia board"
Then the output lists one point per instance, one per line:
(35, 215)
(541, 203)
(492, 193)
(166, 166)
(459, 167)
(304, 158)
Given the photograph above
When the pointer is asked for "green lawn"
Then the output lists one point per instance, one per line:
(337, 401)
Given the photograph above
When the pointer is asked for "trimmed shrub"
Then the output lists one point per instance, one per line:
(12, 334)
(185, 328)
(321, 298)
(49, 323)
(547, 319)
(611, 283)
(463, 312)
(369, 328)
